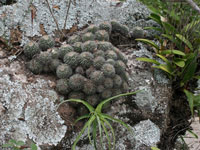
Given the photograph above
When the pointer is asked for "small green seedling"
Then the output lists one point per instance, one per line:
(98, 121)
(19, 145)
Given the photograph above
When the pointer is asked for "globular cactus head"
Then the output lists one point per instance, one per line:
(73, 39)
(46, 42)
(54, 64)
(108, 83)
(120, 66)
(88, 37)
(102, 35)
(117, 81)
(80, 70)
(110, 54)
(99, 53)
(54, 53)
(89, 88)
(62, 86)
(106, 94)
(76, 82)
(98, 62)
(92, 28)
(35, 66)
(72, 59)
(45, 58)
(31, 49)
(77, 47)
(104, 46)
(97, 77)
(63, 71)
(93, 100)
(111, 61)
(86, 59)
(117, 27)
(64, 49)
(89, 46)
(108, 70)
(137, 32)
(105, 26)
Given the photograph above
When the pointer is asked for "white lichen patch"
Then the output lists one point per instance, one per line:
(32, 15)
(30, 112)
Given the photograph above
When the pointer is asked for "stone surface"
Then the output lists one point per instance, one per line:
(33, 16)
(29, 109)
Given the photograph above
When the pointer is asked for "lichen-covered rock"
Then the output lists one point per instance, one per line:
(30, 111)
(31, 49)
(63, 71)
(46, 42)
(102, 35)
(88, 37)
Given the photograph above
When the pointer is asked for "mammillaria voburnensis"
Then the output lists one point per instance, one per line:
(31, 49)
(46, 42)
(88, 66)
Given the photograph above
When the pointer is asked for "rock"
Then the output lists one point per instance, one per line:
(30, 109)
(19, 14)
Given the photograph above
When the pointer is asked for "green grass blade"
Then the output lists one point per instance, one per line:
(90, 108)
(7, 145)
(164, 59)
(100, 131)
(150, 43)
(190, 98)
(192, 133)
(107, 135)
(179, 62)
(153, 28)
(80, 134)
(165, 68)
(33, 146)
(89, 125)
(94, 133)
(176, 52)
(155, 148)
(116, 120)
(112, 131)
(82, 117)
(148, 60)
(99, 107)
(169, 29)
(183, 39)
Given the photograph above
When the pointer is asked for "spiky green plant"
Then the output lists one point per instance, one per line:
(98, 121)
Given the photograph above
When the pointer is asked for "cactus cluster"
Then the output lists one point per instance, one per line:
(87, 67)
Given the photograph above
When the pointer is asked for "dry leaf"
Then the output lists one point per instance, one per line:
(42, 30)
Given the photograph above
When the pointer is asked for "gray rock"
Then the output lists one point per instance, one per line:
(30, 112)
(19, 14)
